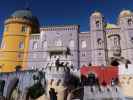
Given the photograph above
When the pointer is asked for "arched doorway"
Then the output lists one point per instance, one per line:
(92, 79)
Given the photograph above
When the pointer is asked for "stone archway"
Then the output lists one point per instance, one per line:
(91, 79)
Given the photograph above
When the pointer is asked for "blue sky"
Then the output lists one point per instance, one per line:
(65, 11)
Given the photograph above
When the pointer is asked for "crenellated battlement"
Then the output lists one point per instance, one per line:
(60, 27)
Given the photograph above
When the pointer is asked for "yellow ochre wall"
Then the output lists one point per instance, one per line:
(12, 36)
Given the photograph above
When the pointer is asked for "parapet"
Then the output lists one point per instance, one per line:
(60, 28)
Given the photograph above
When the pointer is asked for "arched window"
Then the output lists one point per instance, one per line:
(99, 42)
(21, 45)
(83, 54)
(58, 43)
(116, 41)
(44, 44)
(83, 44)
(35, 45)
(71, 44)
(97, 23)
(24, 28)
(129, 21)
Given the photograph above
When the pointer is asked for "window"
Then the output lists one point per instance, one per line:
(83, 44)
(129, 21)
(115, 41)
(34, 45)
(21, 45)
(71, 44)
(97, 24)
(58, 43)
(99, 42)
(24, 29)
(44, 44)
(83, 54)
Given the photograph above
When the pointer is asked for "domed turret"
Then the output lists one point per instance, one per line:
(125, 13)
(17, 30)
(96, 14)
(24, 17)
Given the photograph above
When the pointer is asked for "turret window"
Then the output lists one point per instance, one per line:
(21, 45)
(97, 24)
(24, 29)
(130, 21)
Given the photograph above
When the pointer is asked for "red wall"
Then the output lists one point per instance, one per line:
(102, 73)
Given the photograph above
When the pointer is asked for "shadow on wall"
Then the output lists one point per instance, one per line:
(11, 86)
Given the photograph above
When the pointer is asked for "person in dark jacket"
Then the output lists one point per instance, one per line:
(53, 94)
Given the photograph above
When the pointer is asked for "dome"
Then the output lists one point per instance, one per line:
(125, 13)
(22, 13)
(27, 14)
(110, 26)
(97, 14)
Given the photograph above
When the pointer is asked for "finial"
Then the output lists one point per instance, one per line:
(27, 4)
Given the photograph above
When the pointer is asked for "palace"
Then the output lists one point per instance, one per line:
(25, 45)
(61, 50)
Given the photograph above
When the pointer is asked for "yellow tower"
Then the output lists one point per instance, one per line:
(15, 42)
